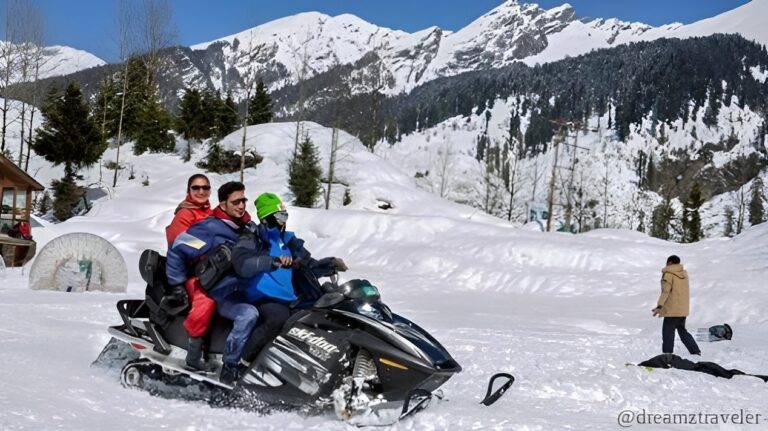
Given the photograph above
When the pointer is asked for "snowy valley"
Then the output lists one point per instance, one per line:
(561, 312)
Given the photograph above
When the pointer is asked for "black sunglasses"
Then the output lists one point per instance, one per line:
(206, 188)
(239, 201)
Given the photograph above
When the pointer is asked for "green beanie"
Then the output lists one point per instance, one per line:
(268, 203)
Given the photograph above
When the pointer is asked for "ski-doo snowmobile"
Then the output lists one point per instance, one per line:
(342, 347)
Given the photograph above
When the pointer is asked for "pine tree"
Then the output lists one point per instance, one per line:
(68, 136)
(209, 104)
(691, 221)
(109, 98)
(729, 218)
(66, 196)
(190, 121)
(260, 110)
(104, 113)
(713, 108)
(756, 202)
(661, 219)
(140, 92)
(227, 118)
(190, 114)
(44, 203)
(153, 135)
(304, 175)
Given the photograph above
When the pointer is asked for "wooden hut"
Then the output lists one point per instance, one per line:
(16, 187)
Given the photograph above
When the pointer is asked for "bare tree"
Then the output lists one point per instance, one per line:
(9, 63)
(741, 209)
(126, 45)
(340, 93)
(490, 185)
(301, 57)
(606, 181)
(536, 174)
(157, 33)
(445, 160)
(39, 61)
(378, 80)
(513, 155)
(30, 57)
(249, 79)
(552, 180)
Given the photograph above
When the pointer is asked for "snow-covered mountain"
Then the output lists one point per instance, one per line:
(56, 60)
(63, 60)
(511, 32)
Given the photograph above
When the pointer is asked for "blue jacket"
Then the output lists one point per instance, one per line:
(198, 240)
(254, 259)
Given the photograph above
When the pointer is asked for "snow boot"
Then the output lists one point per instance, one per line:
(194, 358)
(230, 374)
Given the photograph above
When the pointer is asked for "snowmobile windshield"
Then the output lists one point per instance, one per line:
(361, 290)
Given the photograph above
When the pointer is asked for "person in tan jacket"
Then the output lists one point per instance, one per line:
(673, 306)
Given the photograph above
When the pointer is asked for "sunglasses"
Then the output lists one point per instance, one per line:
(196, 188)
(239, 201)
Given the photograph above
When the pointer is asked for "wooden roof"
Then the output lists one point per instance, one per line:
(17, 176)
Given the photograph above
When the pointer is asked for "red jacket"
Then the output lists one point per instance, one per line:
(187, 214)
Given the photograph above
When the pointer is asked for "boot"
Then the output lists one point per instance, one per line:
(195, 354)
(230, 374)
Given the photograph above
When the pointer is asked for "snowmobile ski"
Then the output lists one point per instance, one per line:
(416, 401)
(492, 397)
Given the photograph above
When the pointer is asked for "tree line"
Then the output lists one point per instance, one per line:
(76, 133)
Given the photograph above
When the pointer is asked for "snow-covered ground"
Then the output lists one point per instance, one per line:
(561, 312)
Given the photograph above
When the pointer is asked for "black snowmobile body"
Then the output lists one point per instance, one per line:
(341, 346)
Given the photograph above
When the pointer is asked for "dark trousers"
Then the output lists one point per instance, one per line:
(272, 317)
(668, 335)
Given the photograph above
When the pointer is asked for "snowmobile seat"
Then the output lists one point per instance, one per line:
(152, 269)
(171, 322)
(149, 263)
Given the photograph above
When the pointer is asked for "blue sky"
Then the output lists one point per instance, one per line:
(89, 24)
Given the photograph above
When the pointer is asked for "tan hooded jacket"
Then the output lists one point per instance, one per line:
(674, 291)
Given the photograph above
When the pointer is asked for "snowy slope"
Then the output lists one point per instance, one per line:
(443, 160)
(563, 313)
(747, 20)
(582, 37)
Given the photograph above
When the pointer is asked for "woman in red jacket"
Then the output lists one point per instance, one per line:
(194, 208)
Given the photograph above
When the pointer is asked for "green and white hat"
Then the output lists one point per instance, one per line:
(268, 203)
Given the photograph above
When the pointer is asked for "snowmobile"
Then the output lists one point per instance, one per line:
(342, 347)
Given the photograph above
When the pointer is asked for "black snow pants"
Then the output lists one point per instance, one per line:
(668, 335)
(272, 317)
